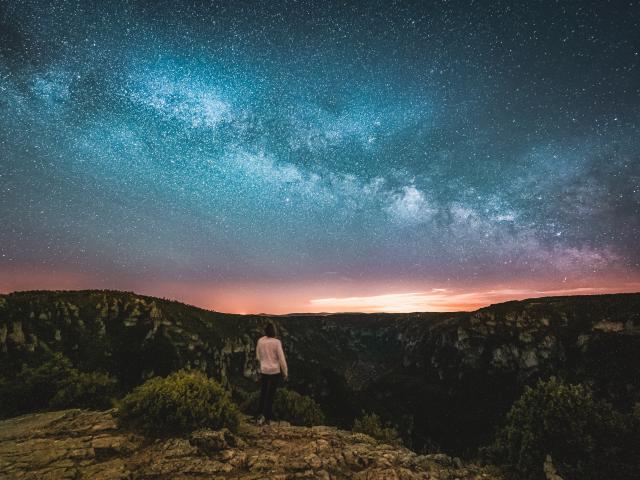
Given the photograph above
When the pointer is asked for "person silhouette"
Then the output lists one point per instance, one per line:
(273, 367)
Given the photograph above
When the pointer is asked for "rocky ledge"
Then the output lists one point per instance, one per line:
(80, 444)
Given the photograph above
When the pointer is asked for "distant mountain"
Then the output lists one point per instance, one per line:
(444, 379)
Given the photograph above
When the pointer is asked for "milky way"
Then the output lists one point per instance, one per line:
(288, 156)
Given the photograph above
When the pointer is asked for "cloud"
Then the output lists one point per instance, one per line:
(446, 300)
(395, 302)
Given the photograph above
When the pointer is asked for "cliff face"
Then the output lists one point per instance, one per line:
(443, 378)
(73, 444)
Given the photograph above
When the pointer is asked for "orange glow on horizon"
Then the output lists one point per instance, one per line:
(441, 300)
(372, 297)
(367, 297)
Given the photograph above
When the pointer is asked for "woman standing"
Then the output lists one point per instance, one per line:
(273, 366)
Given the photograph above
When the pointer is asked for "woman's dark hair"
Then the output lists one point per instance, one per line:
(270, 330)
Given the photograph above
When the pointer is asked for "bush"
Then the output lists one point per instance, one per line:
(55, 383)
(586, 438)
(85, 390)
(290, 406)
(297, 409)
(179, 403)
(370, 424)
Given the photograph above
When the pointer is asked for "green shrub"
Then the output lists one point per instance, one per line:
(240, 397)
(586, 438)
(9, 405)
(371, 424)
(55, 383)
(290, 406)
(248, 402)
(297, 409)
(86, 390)
(177, 404)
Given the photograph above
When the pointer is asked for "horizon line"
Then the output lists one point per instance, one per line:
(545, 295)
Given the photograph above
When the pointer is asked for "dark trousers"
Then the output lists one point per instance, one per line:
(268, 385)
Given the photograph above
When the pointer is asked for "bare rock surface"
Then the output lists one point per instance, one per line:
(79, 444)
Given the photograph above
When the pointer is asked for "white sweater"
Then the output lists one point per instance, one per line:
(269, 353)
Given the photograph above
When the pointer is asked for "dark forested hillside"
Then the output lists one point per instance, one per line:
(444, 379)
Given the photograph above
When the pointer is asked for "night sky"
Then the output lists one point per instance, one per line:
(321, 156)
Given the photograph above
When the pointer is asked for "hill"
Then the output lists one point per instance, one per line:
(444, 379)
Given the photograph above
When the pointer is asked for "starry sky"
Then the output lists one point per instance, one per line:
(306, 155)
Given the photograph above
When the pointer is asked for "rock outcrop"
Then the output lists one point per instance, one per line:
(79, 444)
(549, 469)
